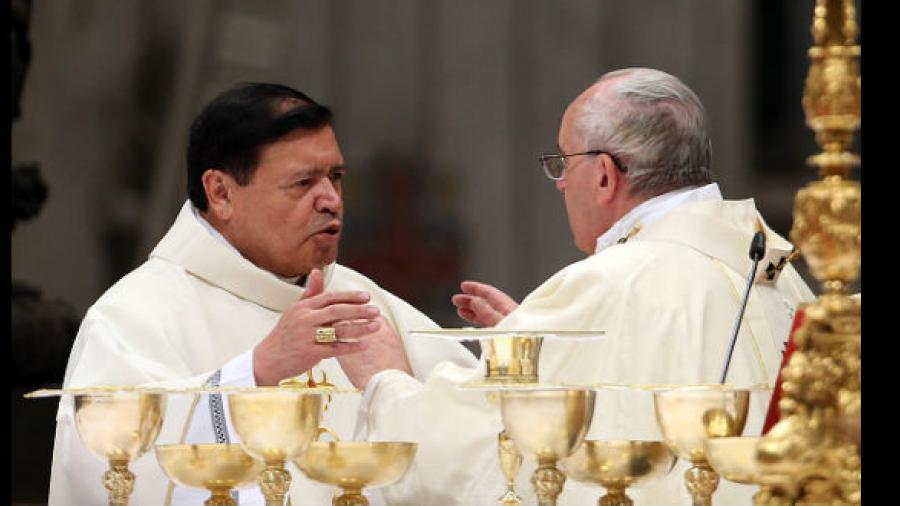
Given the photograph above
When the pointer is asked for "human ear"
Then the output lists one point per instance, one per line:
(219, 196)
(609, 178)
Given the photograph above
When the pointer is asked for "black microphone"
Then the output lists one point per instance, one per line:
(757, 252)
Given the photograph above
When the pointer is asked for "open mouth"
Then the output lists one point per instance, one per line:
(332, 230)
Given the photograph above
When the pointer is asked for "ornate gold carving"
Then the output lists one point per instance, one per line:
(701, 482)
(548, 483)
(275, 482)
(118, 482)
(812, 455)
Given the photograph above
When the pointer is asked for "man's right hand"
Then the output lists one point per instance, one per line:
(482, 304)
(291, 348)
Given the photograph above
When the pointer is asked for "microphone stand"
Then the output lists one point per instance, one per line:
(757, 251)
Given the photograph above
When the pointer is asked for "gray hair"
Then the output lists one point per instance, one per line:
(654, 124)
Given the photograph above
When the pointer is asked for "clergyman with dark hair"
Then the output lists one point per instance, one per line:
(235, 293)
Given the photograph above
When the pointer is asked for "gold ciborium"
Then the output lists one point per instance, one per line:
(689, 416)
(354, 465)
(119, 427)
(275, 426)
(215, 467)
(617, 465)
(549, 424)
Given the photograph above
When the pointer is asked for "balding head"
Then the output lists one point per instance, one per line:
(652, 123)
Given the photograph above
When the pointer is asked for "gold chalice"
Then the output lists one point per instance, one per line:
(688, 416)
(510, 359)
(510, 461)
(215, 467)
(275, 426)
(119, 427)
(549, 424)
(617, 465)
(354, 465)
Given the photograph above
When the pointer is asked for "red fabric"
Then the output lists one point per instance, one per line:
(772, 415)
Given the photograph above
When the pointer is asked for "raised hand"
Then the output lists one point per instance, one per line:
(291, 348)
(482, 304)
(384, 350)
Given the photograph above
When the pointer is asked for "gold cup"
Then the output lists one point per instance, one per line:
(688, 417)
(275, 427)
(119, 427)
(510, 461)
(617, 465)
(734, 458)
(512, 359)
(549, 424)
(354, 465)
(215, 467)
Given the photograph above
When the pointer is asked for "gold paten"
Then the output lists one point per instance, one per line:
(811, 456)
(119, 427)
(214, 467)
(276, 427)
(355, 465)
(549, 425)
(689, 416)
(617, 465)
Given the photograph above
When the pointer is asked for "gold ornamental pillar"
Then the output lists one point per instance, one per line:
(811, 456)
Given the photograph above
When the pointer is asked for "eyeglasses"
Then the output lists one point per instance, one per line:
(554, 164)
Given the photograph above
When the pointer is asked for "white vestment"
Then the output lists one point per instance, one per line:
(667, 299)
(195, 310)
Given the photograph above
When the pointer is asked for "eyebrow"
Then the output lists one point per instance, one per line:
(315, 172)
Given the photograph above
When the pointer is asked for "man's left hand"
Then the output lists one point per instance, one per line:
(384, 350)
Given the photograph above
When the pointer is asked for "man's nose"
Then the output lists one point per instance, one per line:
(329, 199)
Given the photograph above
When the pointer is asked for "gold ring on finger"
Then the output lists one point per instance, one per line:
(325, 335)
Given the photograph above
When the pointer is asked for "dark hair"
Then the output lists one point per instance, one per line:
(229, 131)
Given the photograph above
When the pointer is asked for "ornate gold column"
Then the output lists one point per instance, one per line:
(812, 455)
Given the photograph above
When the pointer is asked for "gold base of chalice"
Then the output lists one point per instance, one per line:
(275, 427)
(549, 424)
(214, 467)
(119, 427)
(617, 465)
(689, 416)
(355, 465)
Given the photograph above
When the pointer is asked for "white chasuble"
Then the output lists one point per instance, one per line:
(193, 312)
(667, 299)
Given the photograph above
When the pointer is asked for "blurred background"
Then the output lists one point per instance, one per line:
(441, 109)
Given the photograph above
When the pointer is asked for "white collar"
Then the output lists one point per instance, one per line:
(221, 238)
(653, 209)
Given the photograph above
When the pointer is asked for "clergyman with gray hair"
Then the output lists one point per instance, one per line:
(668, 262)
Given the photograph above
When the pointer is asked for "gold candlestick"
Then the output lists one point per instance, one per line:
(811, 456)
